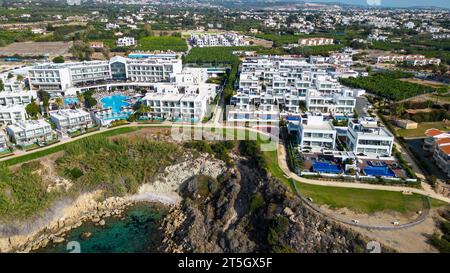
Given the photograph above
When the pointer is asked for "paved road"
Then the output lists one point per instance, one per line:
(282, 161)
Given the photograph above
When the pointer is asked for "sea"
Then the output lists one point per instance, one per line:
(136, 231)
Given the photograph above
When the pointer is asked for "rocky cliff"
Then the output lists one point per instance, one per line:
(247, 210)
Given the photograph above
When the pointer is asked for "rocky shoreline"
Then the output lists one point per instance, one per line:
(84, 209)
(52, 228)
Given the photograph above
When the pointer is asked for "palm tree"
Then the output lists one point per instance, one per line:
(59, 103)
(143, 110)
(80, 98)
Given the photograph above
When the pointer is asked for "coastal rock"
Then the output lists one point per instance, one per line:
(58, 240)
(216, 217)
(85, 235)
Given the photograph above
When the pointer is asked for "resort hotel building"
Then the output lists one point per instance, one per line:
(30, 132)
(68, 78)
(366, 137)
(185, 99)
(71, 120)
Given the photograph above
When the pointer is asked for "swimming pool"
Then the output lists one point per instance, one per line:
(116, 102)
(325, 167)
(379, 171)
(69, 101)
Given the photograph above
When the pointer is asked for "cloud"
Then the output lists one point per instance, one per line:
(374, 2)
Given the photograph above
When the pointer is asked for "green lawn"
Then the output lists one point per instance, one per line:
(361, 200)
(163, 43)
(421, 128)
(358, 200)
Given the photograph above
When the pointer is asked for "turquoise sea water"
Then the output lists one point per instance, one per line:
(136, 233)
(115, 102)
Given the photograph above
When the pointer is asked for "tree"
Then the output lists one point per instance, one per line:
(81, 50)
(2, 85)
(32, 109)
(58, 60)
(148, 30)
(143, 110)
(59, 102)
(45, 98)
(89, 101)
(19, 78)
(106, 52)
(80, 97)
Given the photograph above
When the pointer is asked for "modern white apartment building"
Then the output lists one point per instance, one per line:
(29, 132)
(227, 39)
(177, 106)
(287, 84)
(148, 70)
(59, 78)
(12, 114)
(71, 120)
(315, 133)
(315, 41)
(126, 41)
(415, 60)
(340, 102)
(8, 98)
(366, 137)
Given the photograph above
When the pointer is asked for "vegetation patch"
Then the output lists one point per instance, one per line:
(389, 85)
(163, 43)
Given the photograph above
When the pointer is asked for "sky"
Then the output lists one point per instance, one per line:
(393, 3)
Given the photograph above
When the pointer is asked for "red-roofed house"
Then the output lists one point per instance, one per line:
(432, 136)
(442, 157)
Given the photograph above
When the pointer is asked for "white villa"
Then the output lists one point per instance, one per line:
(126, 41)
(71, 120)
(12, 114)
(29, 132)
(8, 98)
(367, 137)
(316, 134)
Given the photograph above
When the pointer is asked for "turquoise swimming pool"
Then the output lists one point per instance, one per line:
(116, 102)
(70, 101)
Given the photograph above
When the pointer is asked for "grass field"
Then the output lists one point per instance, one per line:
(215, 54)
(358, 200)
(163, 43)
(421, 128)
